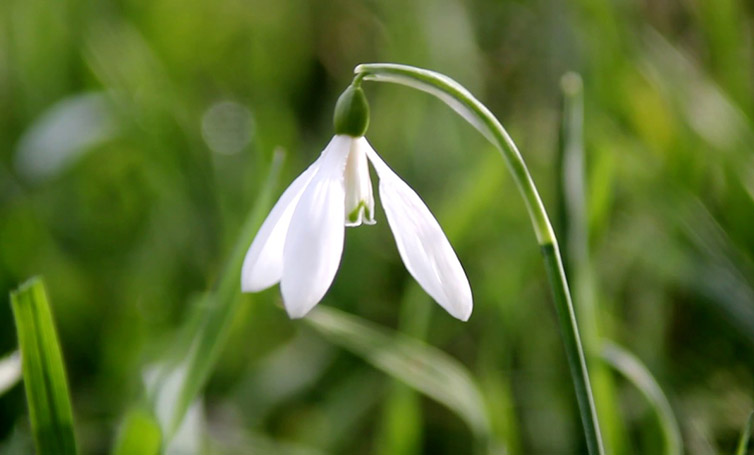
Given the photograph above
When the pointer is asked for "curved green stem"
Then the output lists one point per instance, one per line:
(634, 370)
(463, 102)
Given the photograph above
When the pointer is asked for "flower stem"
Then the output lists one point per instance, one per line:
(569, 331)
(463, 102)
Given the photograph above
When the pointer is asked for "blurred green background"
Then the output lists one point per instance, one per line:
(135, 138)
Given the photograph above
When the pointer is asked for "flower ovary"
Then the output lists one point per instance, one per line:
(351, 112)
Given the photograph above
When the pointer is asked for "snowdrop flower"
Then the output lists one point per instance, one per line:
(301, 242)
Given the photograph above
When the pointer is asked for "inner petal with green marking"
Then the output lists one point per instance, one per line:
(358, 185)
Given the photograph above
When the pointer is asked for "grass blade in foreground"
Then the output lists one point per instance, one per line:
(419, 365)
(632, 368)
(140, 433)
(206, 333)
(743, 443)
(44, 376)
(401, 428)
(463, 102)
(574, 230)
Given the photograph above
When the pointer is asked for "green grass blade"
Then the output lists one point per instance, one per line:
(140, 433)
(634, 370)
(574, 220)
(401, 428)
(743, 443)
(44, 375)
(10, 371)
(401, 425)
(419, 365)
(690, 91)
(208, 330)
(174, 383)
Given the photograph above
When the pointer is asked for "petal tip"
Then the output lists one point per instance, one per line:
(297, 303)
(465, 314)
(461, 311)
(252, 283)
(245, 281)
(247, 287)
(297, 311)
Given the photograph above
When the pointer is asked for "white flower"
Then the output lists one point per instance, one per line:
(301, 241)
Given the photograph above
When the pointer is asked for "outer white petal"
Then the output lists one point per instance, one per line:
(263, 264)
(314, 243)
(421, 243)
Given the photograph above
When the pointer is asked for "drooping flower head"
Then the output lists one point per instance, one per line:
(300, 244)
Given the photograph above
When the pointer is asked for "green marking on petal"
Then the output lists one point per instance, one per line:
(354, 215)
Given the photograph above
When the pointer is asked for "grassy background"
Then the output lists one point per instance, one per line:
(136, 137)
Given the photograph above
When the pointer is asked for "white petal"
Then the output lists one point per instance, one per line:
(421, 243)
(359, 197)
(263, 264)
(314, 243)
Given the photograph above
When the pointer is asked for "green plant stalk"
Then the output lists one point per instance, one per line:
(464, 103)
(47, 394)
(634, 370)
(574, 229)
(401, 431)
(207, 335)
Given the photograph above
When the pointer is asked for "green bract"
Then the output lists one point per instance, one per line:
(351, 112)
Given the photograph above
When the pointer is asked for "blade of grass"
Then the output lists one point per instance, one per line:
(401, 431)
(743, 443)
(401, 421)
(634, 370)
(140, 433)
(207, 332)
(44, 375)
(713, 254)
(703, 105)
(579, 268)
(728, 270)
(422, 367)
